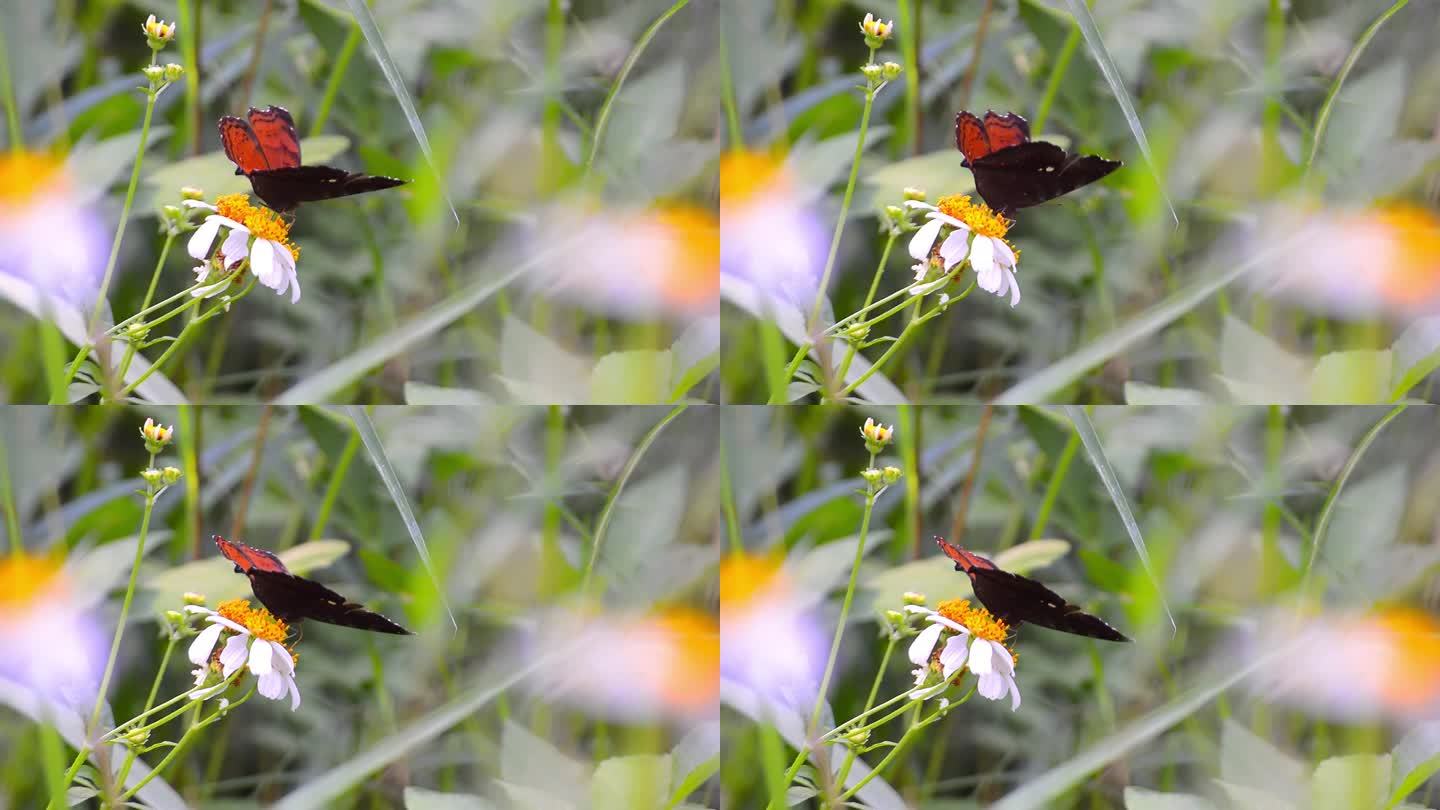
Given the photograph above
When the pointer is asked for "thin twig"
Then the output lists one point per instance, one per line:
(958, 529)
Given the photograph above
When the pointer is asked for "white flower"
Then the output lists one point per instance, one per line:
(270, 261)
(989, 660)
(990, 257)
(270, 661)
(992, 663)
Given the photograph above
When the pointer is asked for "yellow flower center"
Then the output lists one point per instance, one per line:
(692, 679)
(979, 218)
(1414, 234)
(975, 619)
(695, 273)
(262, 222)
(743, 577)
(745, 174)
(1413, 679)
(22, 577)
(26, 175)
(258, 621)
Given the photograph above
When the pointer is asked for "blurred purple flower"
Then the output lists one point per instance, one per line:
(769, 236)
(48, 642)
(49, 238)
(769, 640)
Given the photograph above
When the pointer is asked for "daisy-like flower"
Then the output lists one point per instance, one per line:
(52, 644)
(634, 668)
(52, 244)
(643, 263)
(975, 232)
(1353, 667)
(770, 235)
(257, 233)
(258, 643)
(974, 639)
(1354, 264)
(770, 640)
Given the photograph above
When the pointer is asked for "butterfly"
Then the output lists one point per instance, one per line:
(1011, 171)
(1016, 599)
(293, 598)
(266, 149)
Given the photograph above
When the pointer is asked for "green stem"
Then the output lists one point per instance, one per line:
(727, 95)
(7, 86)
(185, 333)
(869, 297)
(185, 739)
(100, 298)
(1052, 490)
(880, 673)
(899, 343)
(150, 495)
(332, 490)
(824, 285)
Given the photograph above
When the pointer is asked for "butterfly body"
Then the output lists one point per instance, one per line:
(1011, 171)
(266, 150)
(294, 598)
(1015, 599)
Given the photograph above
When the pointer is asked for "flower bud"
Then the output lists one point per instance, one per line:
(872, 476)
(192, 598)
(173, 72)
(890, 71)
(876, 31)
(156, 436)
(191, 193)
(876, 435)
(913, 598)
(857, 738)
(170, 475)
(152, 476)
(157, 32)
(871, 73)
(912, 193)
(153, 74)
(889, 475)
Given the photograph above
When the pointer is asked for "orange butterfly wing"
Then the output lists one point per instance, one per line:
(970, 137)
(241, 146)
(1003, 131)
(248, 558)
(275, 132)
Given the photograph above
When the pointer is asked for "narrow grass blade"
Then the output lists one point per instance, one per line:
(608, 511)
(1091, 32)
(330, 380)
(381, 460)
(1323, 119)
(335, 782)
(1043, 791)
(1328, 510)
(402, 95)
(1101, 462)
(603, 117)
(1050, 380)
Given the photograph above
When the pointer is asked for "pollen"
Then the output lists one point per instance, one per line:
(975, 619)
(979, 218)
(26, 175)
(262, 222)
(258, 621)
(745, 175)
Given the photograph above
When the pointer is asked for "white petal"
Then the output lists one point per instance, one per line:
(919, 204)
(284, 664)
(1014, 288)
(286, 261)
(271, 685)
(982, 255)
(204, 644)
(980, 655)
(929, 691)
(924, 644)
(204, 236)
(917, 609)
(992, 686)
(956, 626)
(955, 246)
(1003, 254)
(237, 244)
(947, 219)
(295, 693)
(924, 239)
(200, 609)
(234, 655)
(218, 619)
(1014, 694)
(953, 656)
(1001, 660)
(198, 204)
(261, 656)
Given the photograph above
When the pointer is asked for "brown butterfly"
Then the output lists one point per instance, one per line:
(1011, 171)
(294, 598)
(1015, 599)
(266, 149)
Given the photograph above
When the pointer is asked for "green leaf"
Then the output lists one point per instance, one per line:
(419, 393)
(1258, 370)
(421, 799)
(637, 782)
(1139, 393)
(1342, 783)
(1358, 377)
(1249, 761)
(634, 377)
(1137, 798)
